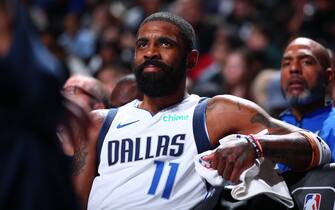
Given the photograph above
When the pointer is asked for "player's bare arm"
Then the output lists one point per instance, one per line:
(84, 160)
(227, 115)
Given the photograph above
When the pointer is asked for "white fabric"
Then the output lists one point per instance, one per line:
(259, 178)
(146, 161)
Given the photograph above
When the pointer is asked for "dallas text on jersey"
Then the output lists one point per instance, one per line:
(128, 150)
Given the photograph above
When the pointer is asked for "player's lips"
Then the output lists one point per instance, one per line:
(151, 68)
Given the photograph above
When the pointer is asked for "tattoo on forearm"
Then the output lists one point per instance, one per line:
(258, 118)
(79, 160)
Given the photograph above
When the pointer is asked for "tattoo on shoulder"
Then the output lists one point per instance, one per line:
(79, 160)
(259, 118)
(211, 105)
(238, 105)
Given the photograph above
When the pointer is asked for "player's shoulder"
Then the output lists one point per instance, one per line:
(227, 101)
(97, 118)
(99, 115)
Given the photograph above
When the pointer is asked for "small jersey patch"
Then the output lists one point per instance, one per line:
(312, 201)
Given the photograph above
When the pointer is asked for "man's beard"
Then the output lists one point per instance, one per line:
(161, 83)
(308, 96)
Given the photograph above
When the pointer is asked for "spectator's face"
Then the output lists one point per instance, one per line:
(235, 69)
(160, 59)
(109, 76)
(151, 6)
(124, 93)
(71, 24)
(5, 29)
(190, 10)
(302, 77)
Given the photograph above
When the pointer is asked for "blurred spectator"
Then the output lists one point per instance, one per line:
(266, 92)
(101, 19)
(87, 92)
(223, 43)
(131, 19)
(192, 11)
(319, 22)
(76, 40)
(6, 28)
(125, 91)
(108, 52)
(238, 73)
(266, 53)
(49, 40)
(276, 14)
(208, 89)
(111, 73)
(243, 14)
(127, 41)
(139, 11)
(331, 88)
(221, 7)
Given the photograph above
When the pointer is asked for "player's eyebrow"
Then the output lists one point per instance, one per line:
(141, 39)
(167, 39)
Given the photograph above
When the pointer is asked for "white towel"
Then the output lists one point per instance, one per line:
(259, 178)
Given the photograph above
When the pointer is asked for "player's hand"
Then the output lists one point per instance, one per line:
(232, 158)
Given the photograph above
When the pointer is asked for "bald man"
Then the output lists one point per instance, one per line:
(305, 73)
(125, 91)
(87, 92)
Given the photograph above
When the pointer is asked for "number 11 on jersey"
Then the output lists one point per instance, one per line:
(170, 179)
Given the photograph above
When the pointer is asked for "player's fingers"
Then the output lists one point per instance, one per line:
(213, 159)
(221, 166)
(236, 172)
(208, 157)
(228, 170)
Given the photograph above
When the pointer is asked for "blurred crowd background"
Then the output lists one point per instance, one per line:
(240, 41)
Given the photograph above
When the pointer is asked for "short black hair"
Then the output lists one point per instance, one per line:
(185, 27)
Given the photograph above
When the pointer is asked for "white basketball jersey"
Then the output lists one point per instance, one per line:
(146, 162)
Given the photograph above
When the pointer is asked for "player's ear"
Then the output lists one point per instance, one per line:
(192, 59)
(329, 75)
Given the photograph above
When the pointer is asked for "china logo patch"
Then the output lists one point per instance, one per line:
(312, 201)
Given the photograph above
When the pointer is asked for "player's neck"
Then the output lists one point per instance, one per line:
(154, 105)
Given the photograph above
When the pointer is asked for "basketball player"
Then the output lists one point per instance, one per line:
(140, 156)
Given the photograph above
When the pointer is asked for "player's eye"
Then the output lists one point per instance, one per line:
(165, 42)
(141, 44)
